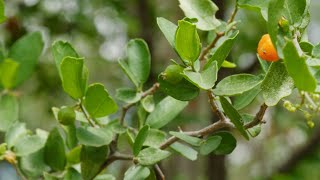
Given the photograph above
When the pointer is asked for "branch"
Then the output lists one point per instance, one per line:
(159, 172)
(214, 107)
(217, 126)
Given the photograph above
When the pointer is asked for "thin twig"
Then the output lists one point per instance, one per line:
(214, 106)
(159, 172)
(85, 114)
(207, 49)
(258, 118)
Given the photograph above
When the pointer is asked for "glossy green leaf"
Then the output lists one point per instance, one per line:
(223, 50)
(141, 137)
(168, 29)
(204, 80)
(185, 151)
(2, 15)
(60, 50)
(151, 156)
(275, 13)
(124, 66)
(227, 144)
(48, 176)
(137, 172)
(210, 144)
(277, 84)
(296, 63)
(128, 95)
(55, 148)
(244, 99)
(9, 111)
(97, 101)
(148, 103)
(26, 52)
(116, 127)
(313, 62)
(91, 160)
(155, 138)
(183, 90)
(94, 136)
(234, 116)
(8, 73)
(307, 47)
(237, 84)
(14, 133)
(139, 59)
(72, 174)
(33, 165)
(28, 145)
(316, 51)
(189, 139)
(72, 70)
(165, 111)
(187, 41)
(264, 64)
(203, 10)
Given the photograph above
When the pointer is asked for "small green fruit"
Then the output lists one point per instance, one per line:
(173, 74)
(66, 116)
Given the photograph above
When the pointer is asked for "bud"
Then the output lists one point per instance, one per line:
(10, 157)
(284, 24)
(66, 116)
(173, 74)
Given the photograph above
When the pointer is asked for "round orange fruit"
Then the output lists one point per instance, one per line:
(266, 50)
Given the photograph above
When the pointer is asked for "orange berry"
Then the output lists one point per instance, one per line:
(266, 49)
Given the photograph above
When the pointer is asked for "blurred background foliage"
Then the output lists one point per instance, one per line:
(99, 30)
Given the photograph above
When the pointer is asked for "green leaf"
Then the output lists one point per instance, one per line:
(307, 47)
(227, 145)
(203, 10)
(151, 156)
(264, 64)
(295, 11)
(244, 99)
(48, 176)
(155, 138)
(234, 116)
(14, 133)
(168, 29)
(295, 63)
(185, 151)
(139, 59)
(223, 50)
(33, 165)
(183, 90)
(187, 41)
(28, 145)
(136, 172)
(9, 111)
(60, 50)
(72, 174)
(237, 84)
(210, 144)
(128, 95)
(124, 66)
(277, 84)
(275, 12)
(66, 116)
(105, 177)
(204, 80)
(92, 159)
(148, 103)
(94, 136)
(73, 156)
(165, 111)
(316, 51)
(55, 148)
(2, 16)
(71, 137)
(8, 73)
(189, 139)
(72, 70)
(141, 137)
(26, 52)
(116, 127)
(313, 62)
(97, 101)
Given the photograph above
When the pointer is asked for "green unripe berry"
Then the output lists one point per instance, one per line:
(284, 24)
(173, 74)
(66, 116)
